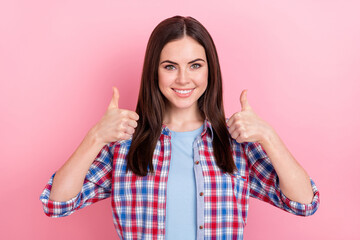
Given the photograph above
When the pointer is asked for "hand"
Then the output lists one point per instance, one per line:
(246, 126)
(116, 124)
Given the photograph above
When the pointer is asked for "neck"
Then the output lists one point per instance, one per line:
(182, 120)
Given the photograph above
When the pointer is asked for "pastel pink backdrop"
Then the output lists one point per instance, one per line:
(59, 59)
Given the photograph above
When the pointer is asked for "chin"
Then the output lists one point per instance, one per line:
(182, 106)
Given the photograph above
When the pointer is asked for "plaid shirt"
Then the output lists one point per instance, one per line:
(139, 203)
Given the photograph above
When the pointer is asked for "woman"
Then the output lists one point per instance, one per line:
(215, 164)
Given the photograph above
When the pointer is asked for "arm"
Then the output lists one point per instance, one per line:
(95, 186)
(273, 169)
(69, 179)
(83, 180)
(116, 124)
(264, 183)
(294, 181)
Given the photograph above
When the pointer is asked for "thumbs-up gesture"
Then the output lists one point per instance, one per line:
(246, 126)
(116, 124)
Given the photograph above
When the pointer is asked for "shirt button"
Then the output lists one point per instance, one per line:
(201, 193)
(201, 227)
(197, 162)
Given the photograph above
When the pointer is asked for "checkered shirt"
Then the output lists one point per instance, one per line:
(139, 203)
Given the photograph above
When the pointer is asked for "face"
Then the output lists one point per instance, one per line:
(183, 73)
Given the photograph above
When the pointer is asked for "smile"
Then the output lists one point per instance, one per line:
(183, 92)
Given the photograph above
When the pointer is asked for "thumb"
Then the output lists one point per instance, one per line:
(244, 102)
(114, 103)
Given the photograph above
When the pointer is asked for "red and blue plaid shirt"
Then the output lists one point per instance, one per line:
(139, 203)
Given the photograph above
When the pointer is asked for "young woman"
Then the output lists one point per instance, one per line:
(176, 168)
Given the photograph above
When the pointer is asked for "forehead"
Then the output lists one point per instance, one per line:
(183, 49)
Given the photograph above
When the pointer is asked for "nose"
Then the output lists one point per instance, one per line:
(183, 77)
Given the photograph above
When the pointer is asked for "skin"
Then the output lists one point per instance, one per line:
(183, 65)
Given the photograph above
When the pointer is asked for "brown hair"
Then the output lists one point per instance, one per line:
(151, 103)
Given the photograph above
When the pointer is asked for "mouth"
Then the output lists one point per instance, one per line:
(183, 92)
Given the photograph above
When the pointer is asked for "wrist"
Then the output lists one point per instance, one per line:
(268, 136)
(94, 137)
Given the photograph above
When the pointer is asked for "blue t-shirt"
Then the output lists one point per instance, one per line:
(181, 187)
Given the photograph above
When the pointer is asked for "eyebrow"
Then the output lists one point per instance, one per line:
(168, 61)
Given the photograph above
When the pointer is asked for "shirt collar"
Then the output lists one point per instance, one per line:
(207, 127)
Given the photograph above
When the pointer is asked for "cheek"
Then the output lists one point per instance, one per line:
(202, 80)
(162, 81)
(165, 79)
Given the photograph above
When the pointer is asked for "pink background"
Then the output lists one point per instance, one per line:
(300, 61)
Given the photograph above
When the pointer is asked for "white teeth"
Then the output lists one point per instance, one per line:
(183, 91)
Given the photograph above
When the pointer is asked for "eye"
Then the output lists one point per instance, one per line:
(169, 67)
(196, 65)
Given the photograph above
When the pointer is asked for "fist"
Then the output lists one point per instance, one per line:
(246, 126)
(116, 124)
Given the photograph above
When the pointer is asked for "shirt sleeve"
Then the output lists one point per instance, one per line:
(97, 186)
(264, 183)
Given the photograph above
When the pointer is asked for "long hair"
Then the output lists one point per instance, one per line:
(151, 103)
